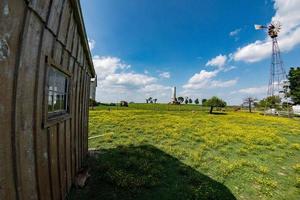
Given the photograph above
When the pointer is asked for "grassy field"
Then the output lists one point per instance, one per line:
(182, 152)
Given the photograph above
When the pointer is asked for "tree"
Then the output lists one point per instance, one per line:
(249, 101)
(155, 100)
(180, 99)
(190, 101)
(294, 79)
(186, 100)
(204, 101)
(196, 101)
(270, 102)
(147, 101)
(215, 102)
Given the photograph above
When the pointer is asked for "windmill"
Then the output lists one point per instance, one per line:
(278, 83)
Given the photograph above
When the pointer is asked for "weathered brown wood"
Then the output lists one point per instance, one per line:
(54, 169)
(68, 154)
(42, 7)
(42, 156)
(85, 107)
(71, 64)
(70, 36)
(63, 27)
(65, 59)
(54, 16)
(11, 25)
(75, 43)
(61, 158)
(73, 120)
(24, 112)
(77, 130)
(57, 53)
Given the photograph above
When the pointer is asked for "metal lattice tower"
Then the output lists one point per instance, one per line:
(278, 76)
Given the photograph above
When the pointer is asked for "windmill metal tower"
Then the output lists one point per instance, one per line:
(278, 78)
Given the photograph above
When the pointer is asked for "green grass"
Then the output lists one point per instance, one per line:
(159, 152)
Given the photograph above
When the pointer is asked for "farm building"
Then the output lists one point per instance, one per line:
(45, 72)
(296, 110)
(93, 87)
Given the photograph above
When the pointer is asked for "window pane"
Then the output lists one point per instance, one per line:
(57, 91)
(60, 83)
(50, 101)
(51, 78)
(57, 102)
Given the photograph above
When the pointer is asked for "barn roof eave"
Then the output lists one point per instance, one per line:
(82, 32)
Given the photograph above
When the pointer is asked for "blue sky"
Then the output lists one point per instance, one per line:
(143, 48)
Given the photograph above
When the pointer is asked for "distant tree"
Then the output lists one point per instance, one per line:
(186, 101)
(215, 102)
(294, 80)
(190, 101)
(155, 100)
(249, 101)
(123, 103)
(270, 102)
(204, 101)
(180, 99)
(149, 100)
(196, 101)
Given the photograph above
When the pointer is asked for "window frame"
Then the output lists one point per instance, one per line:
(50, 119)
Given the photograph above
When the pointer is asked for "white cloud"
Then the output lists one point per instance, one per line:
(116, 82)
(203, 76)
(204, 79)
(91, 44)
(129, 79)
(235, 32)
(227, 69)
(224, 84)
(156, 87)
(253, 90)
(218, 61)
(287, 12)
(166, 75)
(106, 65)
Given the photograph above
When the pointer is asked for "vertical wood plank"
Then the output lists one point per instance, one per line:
(70, 35)
(73, 121)
(57, 52)
(77, 130)
(54, 16)
(68, 154)
(24, 120)
(61, 158)
(54, 168)
(41, 7)
(42, 156)
(75, 42)
(11, 25)
(63, 27)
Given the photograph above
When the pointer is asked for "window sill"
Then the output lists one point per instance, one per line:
(56, 119)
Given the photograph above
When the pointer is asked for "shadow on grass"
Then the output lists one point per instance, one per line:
(145, 172)
(218, 113)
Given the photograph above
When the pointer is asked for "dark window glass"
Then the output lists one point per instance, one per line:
(57, 86)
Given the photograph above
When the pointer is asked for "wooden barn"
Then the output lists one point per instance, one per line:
(45, 72)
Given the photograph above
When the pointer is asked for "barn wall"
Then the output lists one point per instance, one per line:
(38, 160)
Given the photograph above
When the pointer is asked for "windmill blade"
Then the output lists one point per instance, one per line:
(259, 27)
(275, 27)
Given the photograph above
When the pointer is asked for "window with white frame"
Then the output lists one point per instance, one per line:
(58, 92)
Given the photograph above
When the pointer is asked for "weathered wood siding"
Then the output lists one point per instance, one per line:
(39, 161)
